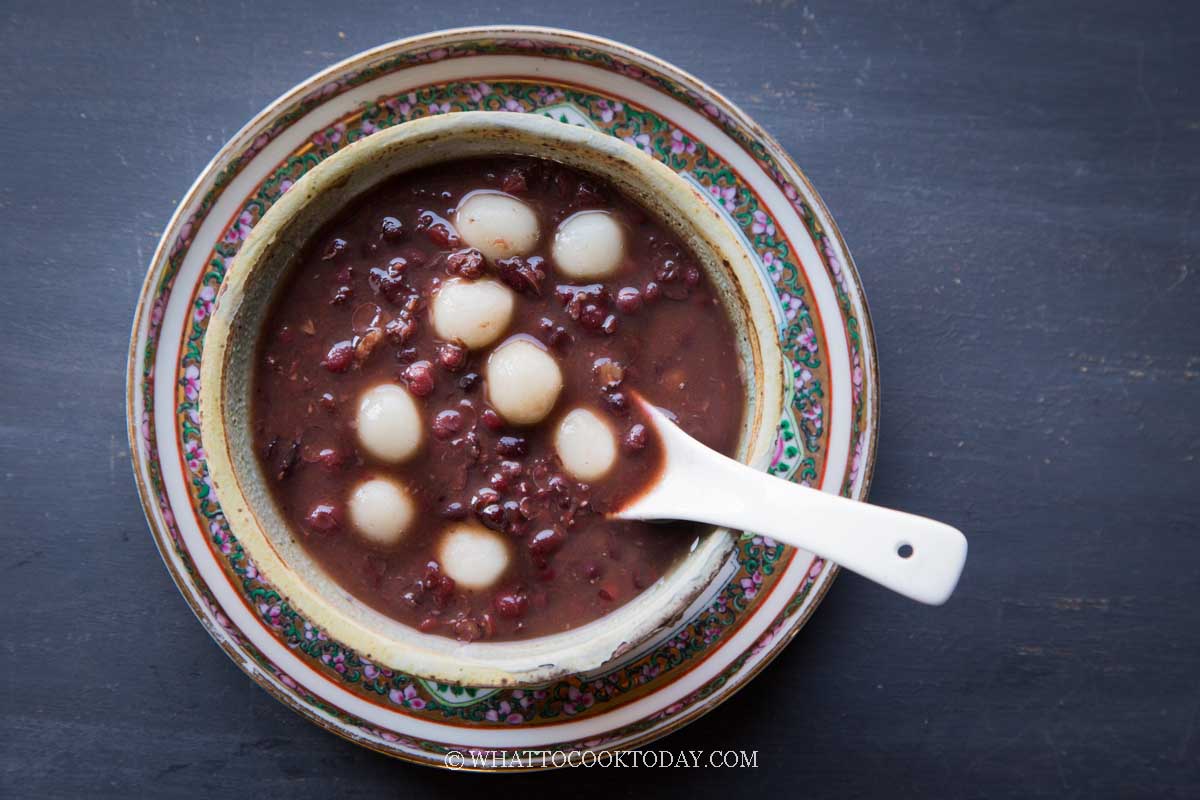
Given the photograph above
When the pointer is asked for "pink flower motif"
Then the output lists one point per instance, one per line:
(765, 541)
(791, 305)
(240, 228)
(284, 185)
(407, 697)
(578, 701)
(818, 564)
(609, 110)
(641, 141)
(194, 454)
(762, 224)
(191, 382)
(808, 340)
(401, 107)
(751, 584)
(156, 313)
(221, 537)
(505, 711)
(331, 135)
(725, 196)
(368, 127)
(680, 144)
(439, 108)
(439, 54)
(478, 92)
(204, 302)
(251, 571)
(271, 614)
(856, 463)
(763, 643)
(512, 105)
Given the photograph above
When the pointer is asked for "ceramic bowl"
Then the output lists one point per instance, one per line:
(245, 298)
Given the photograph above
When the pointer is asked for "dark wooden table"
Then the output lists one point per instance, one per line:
(1020, 184)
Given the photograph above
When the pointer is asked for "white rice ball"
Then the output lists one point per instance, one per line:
(472, 555)
(589, 246)
(381, 510)
(389, 423)
(475, 313)
(523, 381)
(585, 444)
(497, 225)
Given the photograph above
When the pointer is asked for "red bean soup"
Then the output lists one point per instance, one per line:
(442, 395)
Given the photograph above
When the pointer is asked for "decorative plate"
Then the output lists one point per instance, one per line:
(827, 439)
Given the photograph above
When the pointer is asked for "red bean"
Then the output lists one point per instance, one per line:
(447, 423)
(442, 589)
(340, 357)
(512, 605)
(547, 542)
(334, 249)
(324, 518)
(492, 516)
(465, 263)
(400, 329)
(455, 511)
(617, 403)
(391, 228)
(636, 438)
(629, 300)
(419, 375)
(452, 356)
(514, 182)
(511, 446)
(330, 458)
(469, 381)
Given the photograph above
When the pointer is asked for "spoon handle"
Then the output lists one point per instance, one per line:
(917, 557)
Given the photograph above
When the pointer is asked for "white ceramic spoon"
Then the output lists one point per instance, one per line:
(912, 555)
